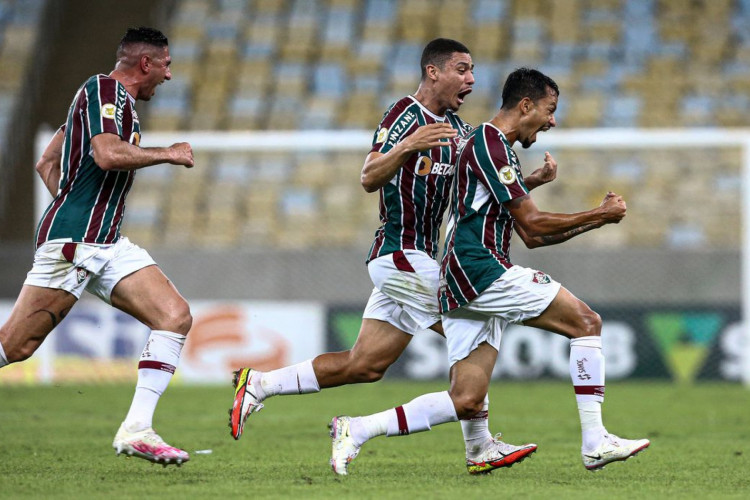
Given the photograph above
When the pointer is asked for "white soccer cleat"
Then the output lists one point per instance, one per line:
(495, 454)
(245, 400)
(613, 449)
(343, 447)
(148, 445)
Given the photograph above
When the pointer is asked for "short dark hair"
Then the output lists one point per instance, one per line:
(526, 82)
(149, 36)
(439, 51)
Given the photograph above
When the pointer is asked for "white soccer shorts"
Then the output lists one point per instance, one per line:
(405, 293)
(74, 267)
(520, 294)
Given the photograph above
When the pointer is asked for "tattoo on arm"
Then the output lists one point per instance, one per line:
(559, 238)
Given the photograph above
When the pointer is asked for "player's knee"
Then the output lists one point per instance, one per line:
(467, 404)
(178, 318)
(592, 324)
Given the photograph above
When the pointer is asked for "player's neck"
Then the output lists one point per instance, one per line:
(507, 125)
(130, 82)
(429, 99)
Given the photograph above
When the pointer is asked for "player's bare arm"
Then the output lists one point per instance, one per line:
(48, 166)
(380, 168)
(542, 241)
(112, 153)
(554, 239)
(546, 173)
(536, 223)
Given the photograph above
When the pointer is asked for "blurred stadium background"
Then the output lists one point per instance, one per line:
(269, 245)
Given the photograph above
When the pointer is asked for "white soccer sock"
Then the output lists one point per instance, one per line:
(476, 429)
(587, 373)
(3, 359)
(158, 362)
(418, 415)
(294, 379)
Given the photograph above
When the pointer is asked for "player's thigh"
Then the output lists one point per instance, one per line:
(150, 297)
(567, 315)
(36, 312)
(379, 344)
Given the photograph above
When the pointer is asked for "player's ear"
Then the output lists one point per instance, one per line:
(145, 63)
(432, 71)
(526, 105)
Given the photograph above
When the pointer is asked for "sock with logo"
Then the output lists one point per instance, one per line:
(294, 379)
(158, 362)
(476, 429)
(418, 415)
(587, 374)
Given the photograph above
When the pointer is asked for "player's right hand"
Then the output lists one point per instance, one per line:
(430, 136)
(182, 154)
(613, 208)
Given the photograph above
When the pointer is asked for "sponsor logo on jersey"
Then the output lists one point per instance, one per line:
(424, 165)
(381, 135)
(443, 168)
(507, 175)
(108, 111)
(398, 128)
(81, 274)
(541, 278)
(122, 95)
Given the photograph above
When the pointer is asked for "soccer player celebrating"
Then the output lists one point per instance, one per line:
(411, 164)
(481, 291)
(88, 167)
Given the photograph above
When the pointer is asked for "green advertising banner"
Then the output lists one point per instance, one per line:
(684, 344)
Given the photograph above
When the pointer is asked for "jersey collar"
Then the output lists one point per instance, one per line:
(427, 111)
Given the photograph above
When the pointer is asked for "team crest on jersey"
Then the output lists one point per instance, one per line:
(507, 175)
(424, 165)
(382, 135)
(81, 274)
(108, 111)
(541, 278)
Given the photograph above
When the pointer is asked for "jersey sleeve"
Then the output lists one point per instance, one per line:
(106, 102)
(397, 123)
(493, 169)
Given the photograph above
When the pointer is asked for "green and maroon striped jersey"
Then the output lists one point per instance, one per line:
(90, 202)
(413, 202)
(477, 246)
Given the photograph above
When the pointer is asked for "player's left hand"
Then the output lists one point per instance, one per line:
(548, 171)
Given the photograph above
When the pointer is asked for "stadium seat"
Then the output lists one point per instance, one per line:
(336, 64)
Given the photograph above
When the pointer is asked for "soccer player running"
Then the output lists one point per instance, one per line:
(88, 167)
(481, 291)
(411, 164)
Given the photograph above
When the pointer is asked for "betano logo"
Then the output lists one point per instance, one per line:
(220, 336)
(424, 165)
(685, 340)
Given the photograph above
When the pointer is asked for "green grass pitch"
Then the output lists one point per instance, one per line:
(56, 443)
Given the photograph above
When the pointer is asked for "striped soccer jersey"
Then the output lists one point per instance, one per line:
(413, 202)
(477, 247)
(90, 202)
